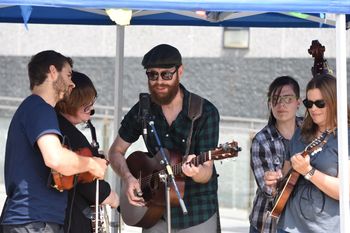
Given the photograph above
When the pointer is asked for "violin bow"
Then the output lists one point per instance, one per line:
(96, 204)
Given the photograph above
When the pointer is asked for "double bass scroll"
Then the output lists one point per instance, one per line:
(320, 66)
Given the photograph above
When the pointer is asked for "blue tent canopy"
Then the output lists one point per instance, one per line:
(227, 13)
(53, 15)
(314, 6)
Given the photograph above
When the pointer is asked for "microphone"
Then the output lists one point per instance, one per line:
(144, 107)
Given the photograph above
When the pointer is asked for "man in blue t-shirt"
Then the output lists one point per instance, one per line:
(33, 149)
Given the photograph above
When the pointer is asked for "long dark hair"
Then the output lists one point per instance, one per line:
(326, 83)
(275, 90)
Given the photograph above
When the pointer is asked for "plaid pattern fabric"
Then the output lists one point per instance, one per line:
(200, 199)
(268, 152)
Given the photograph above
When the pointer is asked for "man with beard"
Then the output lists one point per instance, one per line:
(169, 108)
(33, 149)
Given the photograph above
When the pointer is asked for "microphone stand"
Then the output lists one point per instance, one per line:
(165, 179)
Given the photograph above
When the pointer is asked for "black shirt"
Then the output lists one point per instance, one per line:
(82, 196)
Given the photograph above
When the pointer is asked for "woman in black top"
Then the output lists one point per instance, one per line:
(73, 110)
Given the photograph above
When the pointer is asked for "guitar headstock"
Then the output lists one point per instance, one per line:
(316, 145)
(226, 150)
(317, 50)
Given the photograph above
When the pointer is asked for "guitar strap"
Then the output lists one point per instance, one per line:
(195, 110)
(195, 107)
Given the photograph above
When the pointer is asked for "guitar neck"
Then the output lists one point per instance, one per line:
(198, 160)
(304, 154)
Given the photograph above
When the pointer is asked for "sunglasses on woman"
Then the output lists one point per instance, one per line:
(318, 103)
(166, 75)
(90, 106)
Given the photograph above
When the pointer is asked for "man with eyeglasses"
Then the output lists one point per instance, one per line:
(169, 109)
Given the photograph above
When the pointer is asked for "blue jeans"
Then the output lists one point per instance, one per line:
(35, 227)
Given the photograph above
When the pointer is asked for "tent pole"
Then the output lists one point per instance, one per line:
(342, 122)
(114, 180)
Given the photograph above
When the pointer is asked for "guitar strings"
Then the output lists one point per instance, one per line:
(144, 181)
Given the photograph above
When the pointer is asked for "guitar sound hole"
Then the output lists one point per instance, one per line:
(154, 184)
(152, 187)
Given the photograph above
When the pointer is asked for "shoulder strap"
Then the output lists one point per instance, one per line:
(195, 108)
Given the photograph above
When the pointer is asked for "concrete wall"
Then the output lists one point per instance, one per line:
(237, 87)
(99, 41)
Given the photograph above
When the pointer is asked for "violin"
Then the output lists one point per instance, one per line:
(62, 182)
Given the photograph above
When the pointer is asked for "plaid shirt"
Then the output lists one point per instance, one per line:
(200, 199)
(268, 152)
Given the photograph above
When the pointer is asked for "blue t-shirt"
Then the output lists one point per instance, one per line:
(30, 198)
(309, 209)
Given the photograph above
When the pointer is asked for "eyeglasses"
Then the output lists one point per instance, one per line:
(319, 103)
(285, 99)
(166, 75)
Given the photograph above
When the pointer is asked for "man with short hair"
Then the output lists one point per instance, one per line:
(33, 149)
(170, 107)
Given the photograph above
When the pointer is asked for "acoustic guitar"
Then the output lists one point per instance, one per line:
(148, 170)
(286, 185)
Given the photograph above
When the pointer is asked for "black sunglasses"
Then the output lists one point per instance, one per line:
(89, 107)
(154, 75)
(319, 103)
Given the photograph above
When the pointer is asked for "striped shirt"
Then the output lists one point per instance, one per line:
(268, 153)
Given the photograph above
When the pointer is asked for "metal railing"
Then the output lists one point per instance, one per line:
(237, 128)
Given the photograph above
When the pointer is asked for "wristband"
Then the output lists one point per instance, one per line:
(310, 173)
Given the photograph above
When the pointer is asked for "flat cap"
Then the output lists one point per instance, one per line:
(162, 56)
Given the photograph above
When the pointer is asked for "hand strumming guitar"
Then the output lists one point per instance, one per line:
(133, 191)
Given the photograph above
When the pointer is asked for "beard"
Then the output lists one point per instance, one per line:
(61, 88)
(164, 98)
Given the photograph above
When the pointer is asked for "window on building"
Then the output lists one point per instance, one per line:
(236, 38)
